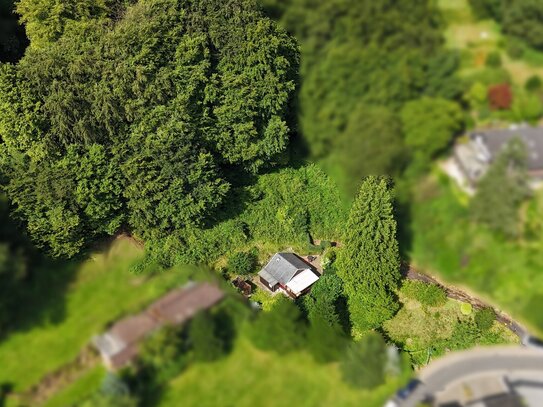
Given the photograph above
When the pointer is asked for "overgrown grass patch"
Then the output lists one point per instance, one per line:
(447, 242)
(426, 332)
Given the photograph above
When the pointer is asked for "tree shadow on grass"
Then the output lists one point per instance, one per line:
(38, 299)
(5, 389)
(32, 286)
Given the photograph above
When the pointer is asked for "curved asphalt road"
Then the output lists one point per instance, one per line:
(439, 374)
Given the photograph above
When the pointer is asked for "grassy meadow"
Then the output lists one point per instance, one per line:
(250, 377)
(99, 291)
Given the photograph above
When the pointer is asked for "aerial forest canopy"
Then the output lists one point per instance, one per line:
(137, 115)
(357, 55)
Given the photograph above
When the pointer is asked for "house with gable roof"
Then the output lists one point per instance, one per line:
(288, 272)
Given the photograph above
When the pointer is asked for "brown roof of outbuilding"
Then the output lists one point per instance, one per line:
(179, 305)
(119, 345)
(133, 328)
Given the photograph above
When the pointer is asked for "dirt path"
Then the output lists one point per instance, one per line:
(460, 295)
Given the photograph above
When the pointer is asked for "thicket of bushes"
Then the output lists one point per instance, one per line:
(426, 294)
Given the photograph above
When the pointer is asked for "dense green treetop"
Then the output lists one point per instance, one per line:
(46, 20)
(524, 19)
(429, 125)
(134, 114)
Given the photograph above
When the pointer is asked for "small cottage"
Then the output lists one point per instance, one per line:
(288, 272)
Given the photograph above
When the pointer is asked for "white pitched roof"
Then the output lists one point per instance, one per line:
(303, 280)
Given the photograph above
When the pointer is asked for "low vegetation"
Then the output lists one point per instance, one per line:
(504, 271)
(426, 331)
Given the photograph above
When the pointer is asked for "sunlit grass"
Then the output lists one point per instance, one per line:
(79, 390)
(249, 377)
(101, 291)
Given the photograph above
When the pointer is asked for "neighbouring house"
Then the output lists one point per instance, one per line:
(288, 272)
(475, 156)
(119, 345)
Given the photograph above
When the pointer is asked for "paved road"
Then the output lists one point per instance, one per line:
(449, 369)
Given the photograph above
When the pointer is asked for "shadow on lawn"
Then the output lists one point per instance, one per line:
(38, 298)
(32, 287)
(5, 389)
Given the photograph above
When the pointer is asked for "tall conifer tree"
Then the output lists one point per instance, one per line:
(369, 262)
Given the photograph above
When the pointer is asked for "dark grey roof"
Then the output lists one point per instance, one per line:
(282, 267)
(495, 140)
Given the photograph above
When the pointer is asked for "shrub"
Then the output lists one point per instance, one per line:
(280, 329)
(325, 244)
(484, 318)
(242, 263)
(489, 76)
(466, 308)
(427, 294)
(527, 107)
(328, 259)
(163, 353)
(205, 342)
(493, 60)
(514, 50)
(533, 84)
(483, 9)
(500, 96)
(364, 362)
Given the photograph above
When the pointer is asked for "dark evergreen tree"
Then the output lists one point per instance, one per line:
(135, 114)
(369, 262)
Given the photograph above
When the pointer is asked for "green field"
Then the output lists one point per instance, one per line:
(101, 289)
(248, 377)
(445, 242)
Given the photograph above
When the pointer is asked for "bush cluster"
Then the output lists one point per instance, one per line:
(242, 263)
(484, 318)
(426, 294)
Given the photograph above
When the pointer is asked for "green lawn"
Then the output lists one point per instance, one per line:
(249, 377)
(79, 390)
(99, 291)
(447, 243)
